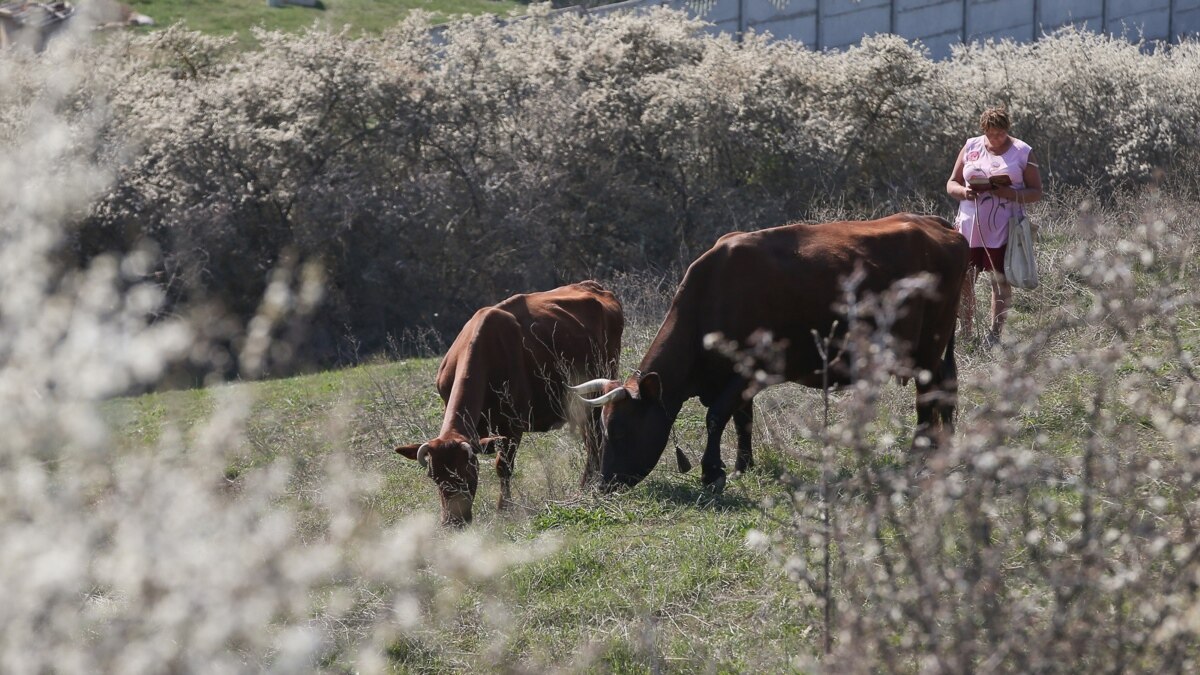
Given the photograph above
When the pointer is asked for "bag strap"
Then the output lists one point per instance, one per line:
(1033, 228)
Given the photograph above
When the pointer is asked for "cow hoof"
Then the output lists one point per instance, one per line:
(744, 466)
(716, 486)
(924, 441)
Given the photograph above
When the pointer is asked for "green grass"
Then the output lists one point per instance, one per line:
(637, 575)
(662, 581)
(236, 17)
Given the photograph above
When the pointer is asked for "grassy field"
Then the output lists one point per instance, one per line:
(236, 17)
(655, 566)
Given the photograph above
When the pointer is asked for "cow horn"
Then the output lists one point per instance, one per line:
(614, 395)
(589, 386)
(423, 455)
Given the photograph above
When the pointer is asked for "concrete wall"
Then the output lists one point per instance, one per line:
(939, 24)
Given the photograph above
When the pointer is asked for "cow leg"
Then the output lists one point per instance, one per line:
(935, 411)
(592, 433)
(506, 458)
(923, 436)
(712, 473)
(743, 422)
(937, 398)
(948, 402)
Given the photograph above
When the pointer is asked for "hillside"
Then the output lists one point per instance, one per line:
(366, 17)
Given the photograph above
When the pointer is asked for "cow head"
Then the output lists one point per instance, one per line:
(452, 464)
(636, 426)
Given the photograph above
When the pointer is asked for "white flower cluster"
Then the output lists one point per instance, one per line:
(607, 143)
(148, 560)
(1057, 526)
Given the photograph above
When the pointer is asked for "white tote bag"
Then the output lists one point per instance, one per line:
(1020, 264)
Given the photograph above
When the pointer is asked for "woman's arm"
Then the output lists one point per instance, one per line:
(956, 185)
(1032, 191)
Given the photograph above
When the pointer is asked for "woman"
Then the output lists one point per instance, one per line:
(994, 177)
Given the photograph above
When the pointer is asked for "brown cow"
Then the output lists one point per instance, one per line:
(505, 375)
(784, 280)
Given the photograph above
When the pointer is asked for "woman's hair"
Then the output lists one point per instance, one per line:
(994, 118)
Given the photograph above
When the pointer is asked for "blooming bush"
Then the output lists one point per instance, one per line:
(429, 173)
(1056, 529)
(143, 561)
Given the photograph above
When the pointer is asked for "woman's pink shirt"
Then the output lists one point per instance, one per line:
(984, 219)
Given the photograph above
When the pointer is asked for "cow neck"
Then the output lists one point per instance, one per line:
(671, 355)
(465, 404)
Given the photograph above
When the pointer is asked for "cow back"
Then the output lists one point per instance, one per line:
(788, 280)
(513, 360)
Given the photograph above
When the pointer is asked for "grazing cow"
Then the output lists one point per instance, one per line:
(784, 280)
(505, 375)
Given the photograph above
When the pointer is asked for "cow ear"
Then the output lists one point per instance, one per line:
(409, 451)
(491, 444)
(650, 386)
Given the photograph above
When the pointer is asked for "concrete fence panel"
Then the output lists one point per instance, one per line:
(1085, 13)
(844, 22)
(939, 24)
(936, 23)
(798, 23)
(1000, 19)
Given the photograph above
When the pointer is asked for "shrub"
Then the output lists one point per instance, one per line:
(157, 559)
(428, 174)
(1055, 532)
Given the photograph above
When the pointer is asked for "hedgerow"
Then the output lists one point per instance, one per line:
(430, 173)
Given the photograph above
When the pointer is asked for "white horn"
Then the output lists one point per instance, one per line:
(423, 455)
(615, 394)
(589, 386)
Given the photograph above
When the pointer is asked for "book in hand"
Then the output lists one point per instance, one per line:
(978, 180)
(979, 183)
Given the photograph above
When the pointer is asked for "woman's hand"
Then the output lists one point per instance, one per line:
(1006, 193)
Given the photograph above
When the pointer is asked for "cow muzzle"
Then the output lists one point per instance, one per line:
(456, 510)
(610, 483)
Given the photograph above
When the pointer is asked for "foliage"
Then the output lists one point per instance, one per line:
(545, 150)
(1057, 530)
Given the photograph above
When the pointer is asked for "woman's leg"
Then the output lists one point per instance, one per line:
(1001, 299)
